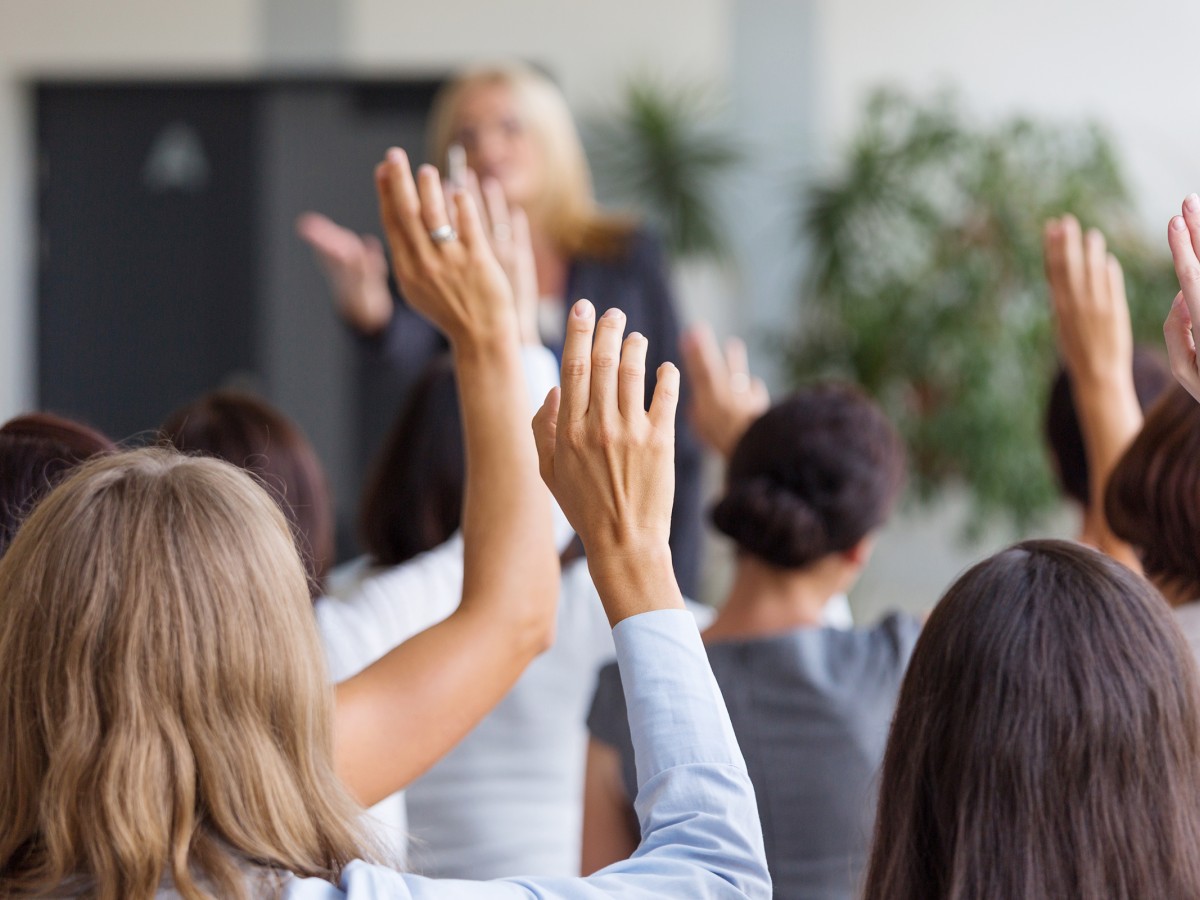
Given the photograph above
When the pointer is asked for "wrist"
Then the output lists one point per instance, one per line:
(633, 579)
(483, 341)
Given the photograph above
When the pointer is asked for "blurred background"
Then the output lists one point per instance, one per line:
(855, 186)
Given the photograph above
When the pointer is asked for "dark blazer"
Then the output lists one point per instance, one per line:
(638, 284)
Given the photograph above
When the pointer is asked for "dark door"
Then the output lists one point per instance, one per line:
(146, 276)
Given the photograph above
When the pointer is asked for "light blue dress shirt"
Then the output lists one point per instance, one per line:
(700, 832)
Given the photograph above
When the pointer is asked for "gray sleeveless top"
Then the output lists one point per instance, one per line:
(811, 709)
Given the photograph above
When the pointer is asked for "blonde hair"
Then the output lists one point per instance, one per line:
(566, 209)
(166, 712)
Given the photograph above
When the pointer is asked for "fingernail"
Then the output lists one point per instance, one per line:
(1177, 223)
(1192, 203)
(611, 313)
(582, 309)
(395, 154)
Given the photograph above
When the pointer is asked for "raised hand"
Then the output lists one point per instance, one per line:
(1087, 288)
(356, 270)
(1091, 315)
(507, 228)
(447, 272)
(610, 463)
(725, 398)
(1183, 234)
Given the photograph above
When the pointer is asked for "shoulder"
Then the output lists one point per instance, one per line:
(642, 250)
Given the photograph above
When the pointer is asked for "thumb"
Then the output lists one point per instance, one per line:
(545, 435)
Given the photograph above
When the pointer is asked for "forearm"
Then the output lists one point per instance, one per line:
(1110, 418)
(511, 566)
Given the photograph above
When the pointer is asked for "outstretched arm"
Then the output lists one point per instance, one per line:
(725, 398)
(1095, 337)
(397, 717)
(1183, 234)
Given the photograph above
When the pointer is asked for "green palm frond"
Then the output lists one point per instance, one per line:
(662, 151)
(926, 286)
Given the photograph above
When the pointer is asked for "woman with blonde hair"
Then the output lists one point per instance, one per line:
(515, 130)
(169, 730)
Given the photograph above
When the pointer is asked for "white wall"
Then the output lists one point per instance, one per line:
(590, 47)
(1127, 64)
(63, 37)
(1131, 66)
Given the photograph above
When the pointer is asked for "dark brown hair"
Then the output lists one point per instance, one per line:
(1153, 497)
(1151, 378)
(36, 450)
(250, 433)
(414, 496)
(812, 476)
(1046, 742)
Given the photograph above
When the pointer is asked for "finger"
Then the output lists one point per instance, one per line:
(1116, 285)
(1187, 265)
(1052, 254)
(665, 399)
(545, 435)
(606, 358)
(472, 187)
(470, 229)
(702, 358)
(631, 382)
(737, 358)
(522, 239)
(498, 212)
(433, 201)
(1191, 215)
(374, 249)
(1074, 267)
(1181, 343)
(577, 362)
(400, 207)
(448, 192)
(1095, 259)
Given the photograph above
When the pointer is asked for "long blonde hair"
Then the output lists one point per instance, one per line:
(166, 716)
(566, 208)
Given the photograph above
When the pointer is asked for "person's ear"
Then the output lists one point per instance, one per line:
(860, 553)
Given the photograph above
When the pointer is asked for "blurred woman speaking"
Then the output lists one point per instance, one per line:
(516, 132)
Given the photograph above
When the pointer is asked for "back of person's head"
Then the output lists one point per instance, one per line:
(36, 450)
(1046, 742)
(813, 476)
(1151, 378)
(165, 712)
(413, 498)
(565, 205)
(250, 433)
(1153, 497)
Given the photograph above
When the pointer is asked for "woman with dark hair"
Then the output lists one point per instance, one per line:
(807, 486)
(413, 497)
(1153, 503)
(36, 451)
(1153, 497)
(507, 799)
(250, 433)
(1046, 742)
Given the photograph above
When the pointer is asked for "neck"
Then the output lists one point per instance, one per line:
(1090, 529)
(1177, 595)
(766, 600)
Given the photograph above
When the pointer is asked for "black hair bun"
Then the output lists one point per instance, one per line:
(772, 523)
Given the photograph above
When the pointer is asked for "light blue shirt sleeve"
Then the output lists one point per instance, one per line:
(700, 831)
